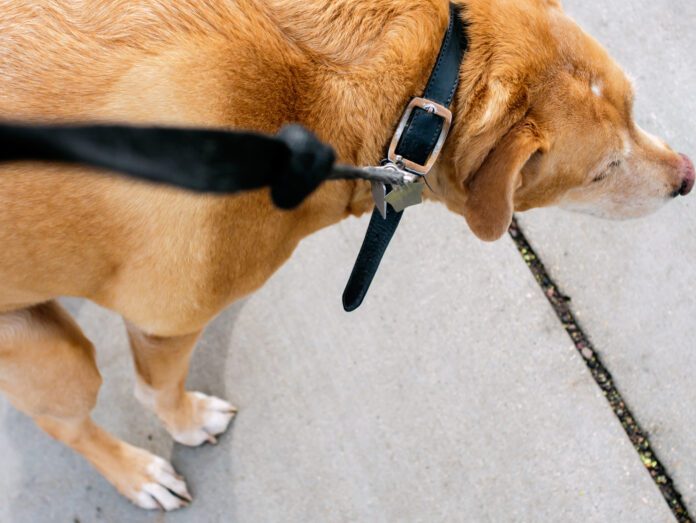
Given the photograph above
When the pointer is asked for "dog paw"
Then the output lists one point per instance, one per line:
(149, 481)
(210, 417)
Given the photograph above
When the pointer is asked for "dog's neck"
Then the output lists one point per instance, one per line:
(361, 89)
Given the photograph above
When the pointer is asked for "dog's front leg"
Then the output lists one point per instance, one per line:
(48, 370)
(162, 363)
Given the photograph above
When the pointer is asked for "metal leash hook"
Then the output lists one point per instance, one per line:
(406, 195)
(379, 189)
(388, 174)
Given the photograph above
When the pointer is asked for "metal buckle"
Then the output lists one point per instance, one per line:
(432, 108)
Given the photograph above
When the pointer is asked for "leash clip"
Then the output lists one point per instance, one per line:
(401, 195)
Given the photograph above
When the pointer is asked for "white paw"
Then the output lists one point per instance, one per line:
(211, 417)
(160, 488)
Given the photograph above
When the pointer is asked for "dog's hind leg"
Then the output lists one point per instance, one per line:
(162, 363)
(48, 370)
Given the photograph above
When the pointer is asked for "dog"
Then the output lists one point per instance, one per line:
(542, 117)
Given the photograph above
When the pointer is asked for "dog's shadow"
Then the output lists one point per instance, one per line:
(42, 480)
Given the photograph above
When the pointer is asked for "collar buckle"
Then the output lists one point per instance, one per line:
(430, 107)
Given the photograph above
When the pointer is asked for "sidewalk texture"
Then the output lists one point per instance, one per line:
(454, 394)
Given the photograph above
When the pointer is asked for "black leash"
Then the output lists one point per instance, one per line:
(293, 163)
(416, 145)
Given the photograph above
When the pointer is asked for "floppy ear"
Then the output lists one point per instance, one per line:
(491, 189)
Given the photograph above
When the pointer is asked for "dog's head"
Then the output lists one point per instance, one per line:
(551, 124)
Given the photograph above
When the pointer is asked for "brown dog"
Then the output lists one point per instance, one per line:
(542, 117)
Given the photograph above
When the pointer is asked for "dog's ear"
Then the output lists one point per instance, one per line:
(491, 189)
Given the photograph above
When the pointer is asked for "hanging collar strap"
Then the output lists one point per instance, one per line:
(417, 143)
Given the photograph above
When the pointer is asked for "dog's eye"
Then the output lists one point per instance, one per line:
(605, 174)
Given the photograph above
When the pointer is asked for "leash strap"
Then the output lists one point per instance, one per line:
(293, 163)
(417, 142)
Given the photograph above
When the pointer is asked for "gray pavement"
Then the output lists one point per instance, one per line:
(468, 402)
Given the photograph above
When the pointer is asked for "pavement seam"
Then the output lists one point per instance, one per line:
(601, 375)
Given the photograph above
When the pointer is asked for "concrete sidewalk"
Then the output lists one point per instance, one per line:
(454, 394)
(465, 402)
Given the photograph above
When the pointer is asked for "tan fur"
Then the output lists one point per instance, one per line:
(528, 132)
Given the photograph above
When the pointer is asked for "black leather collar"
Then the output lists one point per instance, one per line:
(415, 147)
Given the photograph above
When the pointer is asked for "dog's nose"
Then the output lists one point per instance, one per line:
(688, 174)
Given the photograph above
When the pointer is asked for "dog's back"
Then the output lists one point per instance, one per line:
(69, 231)
(243, 64)
(98, 60)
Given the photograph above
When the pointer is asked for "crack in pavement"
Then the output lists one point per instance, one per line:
(601, 375)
